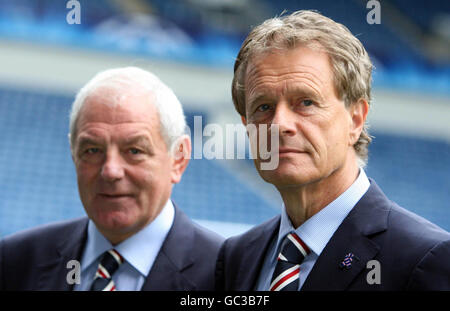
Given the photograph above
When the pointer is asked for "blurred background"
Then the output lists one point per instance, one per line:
(191, 46)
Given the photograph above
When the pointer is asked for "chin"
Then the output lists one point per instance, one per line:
(281, 178)
(116, 220)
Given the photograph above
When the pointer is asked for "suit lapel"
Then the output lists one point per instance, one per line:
(165, 275)
(368, 217)
(53, 272)
(254, 254)
(327, 274)
(174, 257)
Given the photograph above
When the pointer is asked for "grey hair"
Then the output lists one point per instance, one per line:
(351, 65)
(130, 81)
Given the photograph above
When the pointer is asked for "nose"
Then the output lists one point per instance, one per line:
(285, 118)
(112, 169)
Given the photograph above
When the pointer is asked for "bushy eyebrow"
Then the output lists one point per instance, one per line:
(305, 91)
(85, 140)
(137, 140)
(132, 140)
(308, 92)
(259, 98)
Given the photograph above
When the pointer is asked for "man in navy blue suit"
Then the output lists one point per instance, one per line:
(129, 148)
(308, 78)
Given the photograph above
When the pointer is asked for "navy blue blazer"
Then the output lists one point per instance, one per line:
(36, 259)
(413, 253)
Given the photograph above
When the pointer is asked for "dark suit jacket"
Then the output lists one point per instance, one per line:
(413, 253)
(36, 259)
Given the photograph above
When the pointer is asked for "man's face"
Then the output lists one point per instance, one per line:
(124, 170)
(294, 90)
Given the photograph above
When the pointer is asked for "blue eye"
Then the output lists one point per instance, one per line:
(135, 151)
(92, 150)
(263, 107)
(307, 102)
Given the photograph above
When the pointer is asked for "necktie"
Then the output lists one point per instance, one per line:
(287, 270)
(110, 262)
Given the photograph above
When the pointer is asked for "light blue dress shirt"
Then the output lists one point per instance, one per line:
(139, 252)
(315, 232)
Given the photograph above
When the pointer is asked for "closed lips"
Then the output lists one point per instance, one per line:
(286, 150)
(108, 195)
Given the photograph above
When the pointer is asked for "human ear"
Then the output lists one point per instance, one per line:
(358, 113)
(181, 155)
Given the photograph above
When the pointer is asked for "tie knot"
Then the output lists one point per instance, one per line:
(293, 249)
(110, 262)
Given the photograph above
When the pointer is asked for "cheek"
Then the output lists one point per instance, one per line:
(337, 139)
(150, 179)
(142, 179)
(325, 140)
(317, 135)
(86, 175)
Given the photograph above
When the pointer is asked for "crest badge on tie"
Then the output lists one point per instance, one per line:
(346, 263)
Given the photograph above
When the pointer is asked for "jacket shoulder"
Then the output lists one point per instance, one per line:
(23, 252)
(232, 249)
(425, 245)
(44, 234)
(412, 228)
(249, 246)
(207, 237)
(240, 240)
(189, 249)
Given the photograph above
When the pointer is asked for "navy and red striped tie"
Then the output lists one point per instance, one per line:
(110, 262)
(287, 270)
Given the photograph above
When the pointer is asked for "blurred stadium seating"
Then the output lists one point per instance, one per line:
(410, 49)
(38, 181)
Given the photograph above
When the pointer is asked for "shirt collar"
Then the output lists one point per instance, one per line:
(318, 230)
(139, 250)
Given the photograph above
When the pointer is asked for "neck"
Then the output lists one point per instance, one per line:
(304, 201)
(118, 235)
(115, 239)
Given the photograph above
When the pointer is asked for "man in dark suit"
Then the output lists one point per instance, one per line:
(129, 148)
(307, 80)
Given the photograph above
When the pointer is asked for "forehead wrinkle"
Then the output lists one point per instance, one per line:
(115, 111)
(283, 84)
(105, 131)
(138, 138)
(90, 140)
(258, 67)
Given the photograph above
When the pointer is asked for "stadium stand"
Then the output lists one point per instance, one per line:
(38, 181)
(37, 177)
